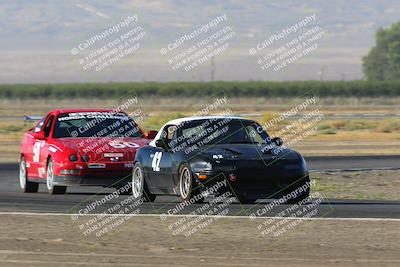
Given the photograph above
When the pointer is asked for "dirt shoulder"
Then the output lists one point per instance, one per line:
(146, 241)
(378, 185)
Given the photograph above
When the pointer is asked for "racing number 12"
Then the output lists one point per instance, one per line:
(155, 164)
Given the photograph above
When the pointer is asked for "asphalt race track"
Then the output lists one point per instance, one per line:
(12, 200)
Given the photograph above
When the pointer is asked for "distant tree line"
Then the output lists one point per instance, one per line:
(196, 89)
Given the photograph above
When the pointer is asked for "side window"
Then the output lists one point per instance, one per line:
(48, 125)
(168, 134)
(171, 132)
(252, 133)
(39, 126)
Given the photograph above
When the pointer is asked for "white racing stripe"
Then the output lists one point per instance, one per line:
(75, 215)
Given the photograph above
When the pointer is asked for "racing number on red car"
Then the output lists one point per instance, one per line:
(124, 144)
(155, 164)
(36, 150)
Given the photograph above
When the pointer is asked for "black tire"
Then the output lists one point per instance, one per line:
(53, 189)
(139, 188)
(25, 184)
(149, 197)
(188, 189)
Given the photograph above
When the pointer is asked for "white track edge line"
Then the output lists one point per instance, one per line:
(189, 215)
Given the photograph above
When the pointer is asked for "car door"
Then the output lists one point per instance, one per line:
(33, 151)
(43, 149)
(160, 170)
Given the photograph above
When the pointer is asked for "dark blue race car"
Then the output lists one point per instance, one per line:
(190, 156)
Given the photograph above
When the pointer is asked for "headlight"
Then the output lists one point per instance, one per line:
(73, 157)
(201, 166)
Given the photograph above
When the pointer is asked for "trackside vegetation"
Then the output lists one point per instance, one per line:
(358, 88)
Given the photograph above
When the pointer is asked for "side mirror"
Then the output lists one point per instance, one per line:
(278, 141)
(151, 134)
(161, 143)
(39, 136)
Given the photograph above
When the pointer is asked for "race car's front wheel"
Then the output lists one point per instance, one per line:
(139, 186)
(26, 186)
(53, 189)
(187, 188)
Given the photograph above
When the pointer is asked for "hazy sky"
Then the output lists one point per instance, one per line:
(37, 37)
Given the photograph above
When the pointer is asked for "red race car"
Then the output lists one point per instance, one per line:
(87, 147)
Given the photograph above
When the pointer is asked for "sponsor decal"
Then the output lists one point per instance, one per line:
(93, 115)
(113, 155)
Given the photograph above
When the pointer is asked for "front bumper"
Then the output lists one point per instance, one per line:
(93, 180)
(94, 174)
(256, 183)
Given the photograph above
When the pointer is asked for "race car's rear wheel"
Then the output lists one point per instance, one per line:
(53, 189)
(187, 187)
(26, 186)
(139, 186)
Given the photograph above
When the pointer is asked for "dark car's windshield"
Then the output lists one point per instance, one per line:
(95, 124)
(221, 131)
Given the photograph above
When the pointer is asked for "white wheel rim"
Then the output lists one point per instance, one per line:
(50, 176)
(137, 182)
(185, 183)
(22, 174)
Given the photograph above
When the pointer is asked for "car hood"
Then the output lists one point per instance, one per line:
(95, 148)
(249, 152)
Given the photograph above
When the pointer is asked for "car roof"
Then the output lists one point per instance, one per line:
(187, 119)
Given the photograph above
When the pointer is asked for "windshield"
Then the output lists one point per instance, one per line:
(221, 131)
(95, 124)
